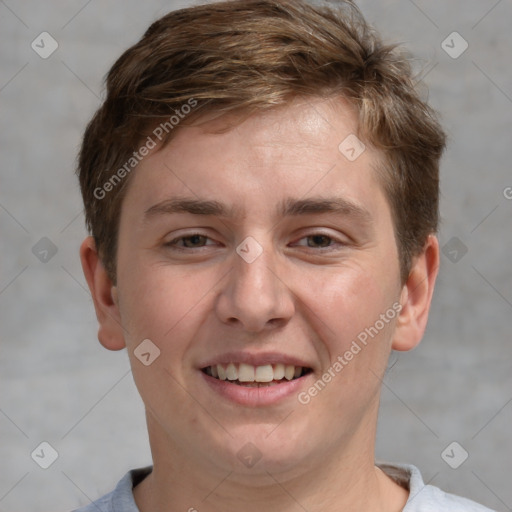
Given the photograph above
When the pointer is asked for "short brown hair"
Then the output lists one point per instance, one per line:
(245, 56)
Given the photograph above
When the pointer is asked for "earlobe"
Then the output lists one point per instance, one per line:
(416, 297)
(104, 295)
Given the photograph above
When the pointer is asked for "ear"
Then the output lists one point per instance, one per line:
(416, 297)
(104, 295)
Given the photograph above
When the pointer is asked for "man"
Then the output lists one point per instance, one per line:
(261, 185)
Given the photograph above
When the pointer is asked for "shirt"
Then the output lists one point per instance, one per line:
(422, 498)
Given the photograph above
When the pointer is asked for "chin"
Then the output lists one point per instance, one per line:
(259, 449)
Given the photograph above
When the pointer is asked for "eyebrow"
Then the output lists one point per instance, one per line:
(287, 208)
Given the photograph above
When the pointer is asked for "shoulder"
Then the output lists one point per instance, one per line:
(103, 504)
(434, 499)
(428, 498)
(121, 498)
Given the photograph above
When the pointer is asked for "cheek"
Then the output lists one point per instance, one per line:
(345, 302)
(165, 305)
(162, 302)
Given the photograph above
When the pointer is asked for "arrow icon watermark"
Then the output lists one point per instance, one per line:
(249, 455)
(249, 249)
(351, 147)
(146, 352)
(44, 250)
(44, 45)
(44, 455)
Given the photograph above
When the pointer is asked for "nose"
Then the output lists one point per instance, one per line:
(255, 295)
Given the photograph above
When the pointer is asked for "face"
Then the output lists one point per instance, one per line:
(250, 254)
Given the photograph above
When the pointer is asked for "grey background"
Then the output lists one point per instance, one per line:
(59, 385)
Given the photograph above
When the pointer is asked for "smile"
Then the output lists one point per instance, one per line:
(248, 375)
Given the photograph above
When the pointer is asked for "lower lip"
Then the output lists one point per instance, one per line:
(255, 396)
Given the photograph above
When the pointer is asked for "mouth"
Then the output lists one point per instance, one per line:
(249, 376)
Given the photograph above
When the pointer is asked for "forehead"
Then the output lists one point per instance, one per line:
(269, 158)
(314, 123)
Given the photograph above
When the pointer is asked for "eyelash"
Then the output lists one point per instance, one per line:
(173, 243)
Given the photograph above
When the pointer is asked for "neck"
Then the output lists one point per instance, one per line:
(345, 480)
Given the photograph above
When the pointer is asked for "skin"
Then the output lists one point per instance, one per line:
(295, 298)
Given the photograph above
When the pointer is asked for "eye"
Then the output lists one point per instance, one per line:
(321, 241)
(193, 241)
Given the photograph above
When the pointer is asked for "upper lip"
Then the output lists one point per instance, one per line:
(255, 359)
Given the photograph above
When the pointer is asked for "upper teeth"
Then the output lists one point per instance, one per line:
(248, 373)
